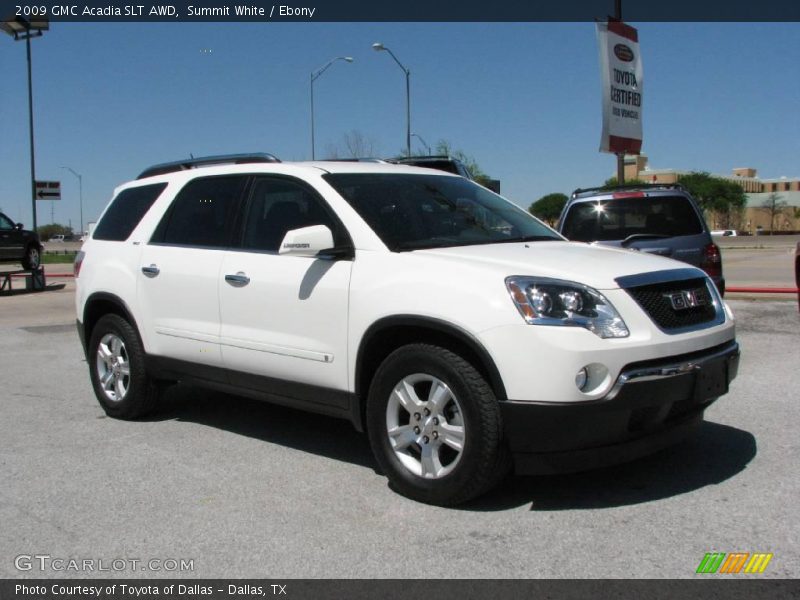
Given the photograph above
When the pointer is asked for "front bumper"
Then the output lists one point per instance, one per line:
(652, 405)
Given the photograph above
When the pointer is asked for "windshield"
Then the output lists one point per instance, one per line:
(620, 218)
(410, 212)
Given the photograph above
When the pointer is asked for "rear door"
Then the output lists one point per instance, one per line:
(284, 317)
(178, 288)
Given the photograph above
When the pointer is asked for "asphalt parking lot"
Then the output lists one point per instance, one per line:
(244, 489)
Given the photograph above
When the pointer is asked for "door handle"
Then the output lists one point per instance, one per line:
(151, 271)
(238, 280)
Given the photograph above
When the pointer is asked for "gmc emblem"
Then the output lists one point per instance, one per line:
(685, 299)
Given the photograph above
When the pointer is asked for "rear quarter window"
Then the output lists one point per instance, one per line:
(618, 218)
(125, 212)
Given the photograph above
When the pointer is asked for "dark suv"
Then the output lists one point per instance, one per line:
(18, 245)
(442, 163)
(657, 218)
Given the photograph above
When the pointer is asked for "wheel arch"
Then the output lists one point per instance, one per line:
(102, 303)
(390, 333)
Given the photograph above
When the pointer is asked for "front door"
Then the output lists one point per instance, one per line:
(284, 317)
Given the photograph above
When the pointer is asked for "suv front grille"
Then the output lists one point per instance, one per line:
(670, 304)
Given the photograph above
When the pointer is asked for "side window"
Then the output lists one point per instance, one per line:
(125, 212)
(5, 224)
(278, 206)
(202, 213)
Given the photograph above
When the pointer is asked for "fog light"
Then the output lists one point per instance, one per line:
(582, 378)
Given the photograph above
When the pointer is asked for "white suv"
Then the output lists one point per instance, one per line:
(461, 333)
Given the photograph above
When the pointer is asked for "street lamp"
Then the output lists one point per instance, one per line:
(419, 137)
(378, 47)
(21, 28)
(80, 191)
(314, 76)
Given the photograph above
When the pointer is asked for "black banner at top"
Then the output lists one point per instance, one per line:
(405, 11)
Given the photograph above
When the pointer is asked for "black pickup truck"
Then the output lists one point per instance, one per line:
(18, 245)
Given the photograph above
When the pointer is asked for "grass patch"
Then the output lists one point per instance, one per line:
(52, 259)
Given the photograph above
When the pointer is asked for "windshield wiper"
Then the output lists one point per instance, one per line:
(527, 238)
(643, 236)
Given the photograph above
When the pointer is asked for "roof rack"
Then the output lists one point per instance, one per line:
(363, 159)
(204, 161)
(632, 186)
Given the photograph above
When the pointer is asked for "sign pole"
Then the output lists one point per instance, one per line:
(620, 155)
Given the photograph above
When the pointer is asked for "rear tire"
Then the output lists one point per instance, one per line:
(434, 425)
(117, 369)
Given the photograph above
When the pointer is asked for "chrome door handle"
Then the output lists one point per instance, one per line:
(151, 271)
(238, 280)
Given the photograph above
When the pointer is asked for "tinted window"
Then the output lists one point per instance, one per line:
(618, 218)
(278, 206)
(125, 212)
(202, 213)
(429, 211)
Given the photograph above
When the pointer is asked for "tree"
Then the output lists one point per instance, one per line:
(721, 199)
(354, 145)
(548, 208)
(774, 205)
(612, 182)
(444, 148)
(47, 231)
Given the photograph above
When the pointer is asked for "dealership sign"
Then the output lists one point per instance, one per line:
(621, 71)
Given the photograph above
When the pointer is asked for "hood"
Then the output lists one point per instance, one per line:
(595, 266)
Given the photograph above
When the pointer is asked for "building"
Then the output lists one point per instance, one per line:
(758, 191)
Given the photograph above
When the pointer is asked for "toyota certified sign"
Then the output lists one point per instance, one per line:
(621, 71)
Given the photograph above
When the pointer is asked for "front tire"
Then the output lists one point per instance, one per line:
(32, 259)
(117, 369)
(435, 427)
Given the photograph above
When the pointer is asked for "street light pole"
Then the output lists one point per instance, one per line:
(314, 76)
(419, 137)
(80, 192)
(378, 47)
(25, 29)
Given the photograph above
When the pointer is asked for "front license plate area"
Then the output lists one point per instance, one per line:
(711, 380)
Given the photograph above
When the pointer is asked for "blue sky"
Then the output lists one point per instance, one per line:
(522, 98)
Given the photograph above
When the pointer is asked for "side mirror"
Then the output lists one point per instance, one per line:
(20, 226)
(307, 241)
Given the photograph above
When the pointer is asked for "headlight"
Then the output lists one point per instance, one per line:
(543, 301)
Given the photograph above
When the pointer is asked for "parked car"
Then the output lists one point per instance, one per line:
(441, 163)
(18, 245)
(724, 233)
(462, 334)
(656, 219)
(59, 239)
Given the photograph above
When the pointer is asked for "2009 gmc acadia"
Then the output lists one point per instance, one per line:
(463, 335)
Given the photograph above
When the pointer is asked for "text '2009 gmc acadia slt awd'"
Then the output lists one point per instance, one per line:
(461, 333)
